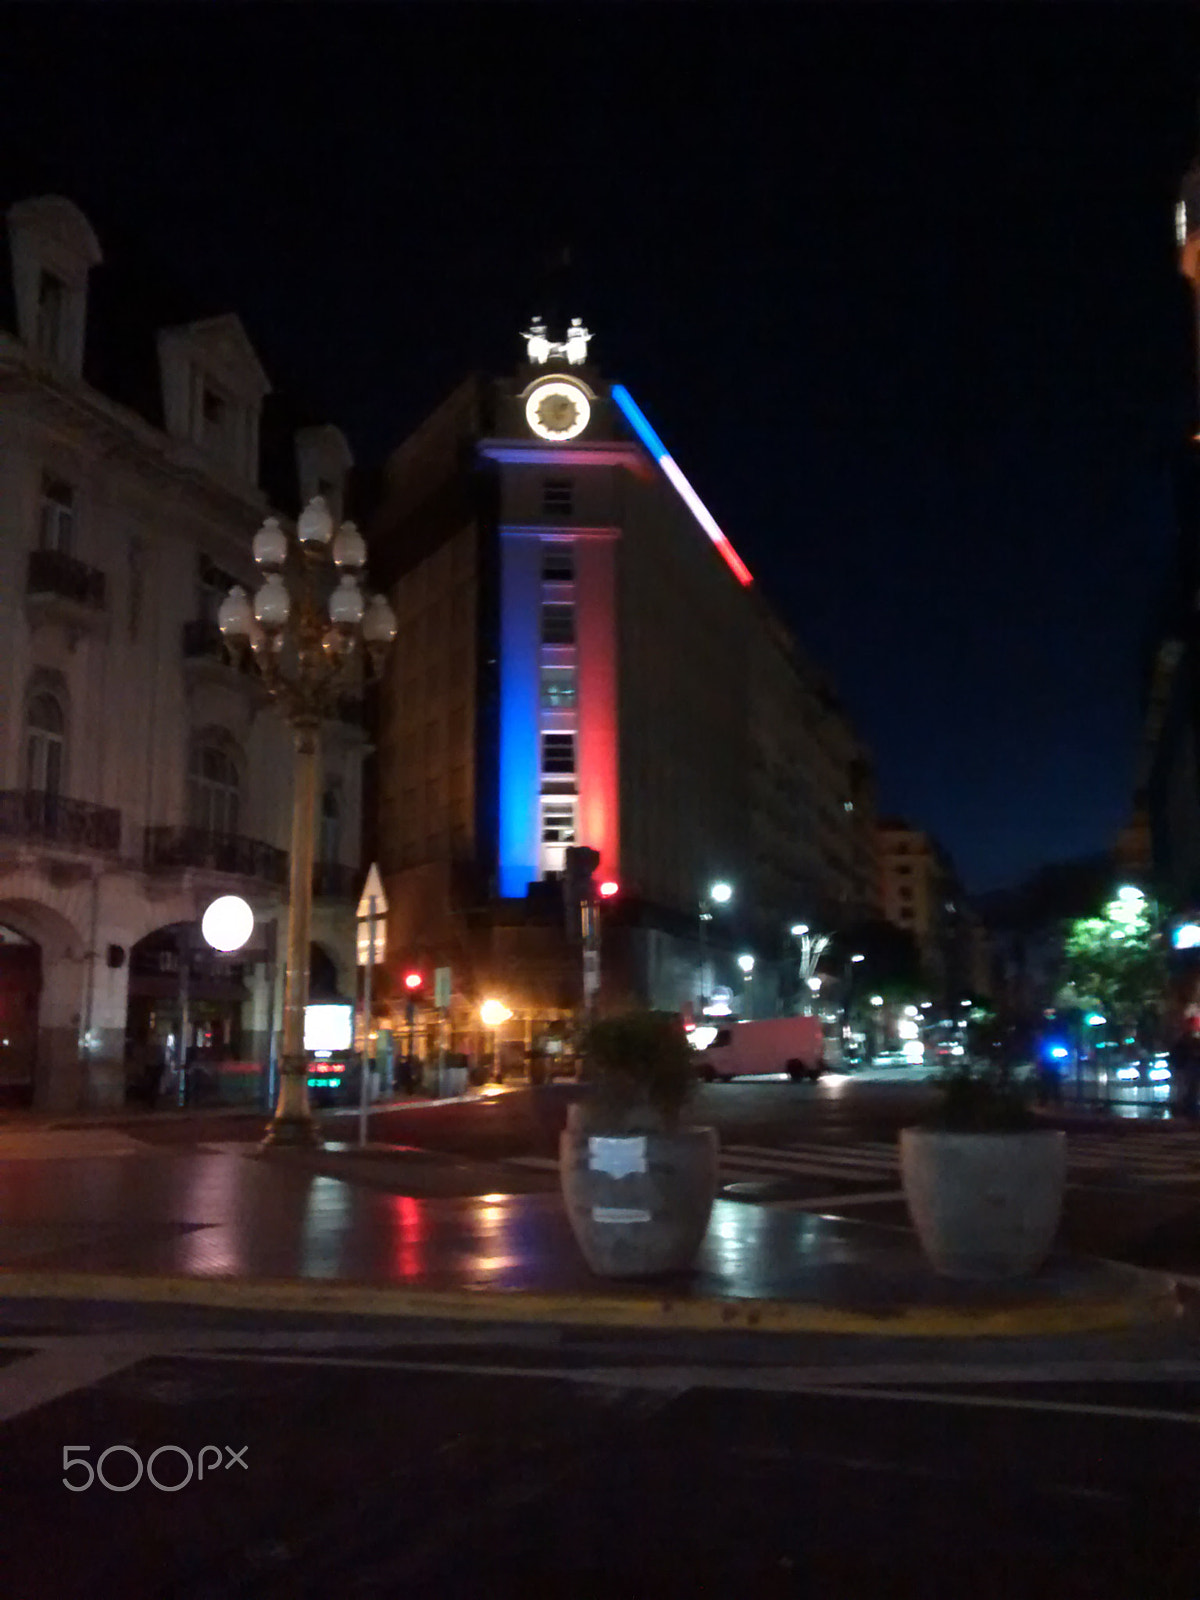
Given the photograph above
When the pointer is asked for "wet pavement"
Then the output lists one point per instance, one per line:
(212, 1216)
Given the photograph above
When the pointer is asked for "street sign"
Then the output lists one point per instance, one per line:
(441, 988)
(372, 921)
(372, 890)
(591, 976)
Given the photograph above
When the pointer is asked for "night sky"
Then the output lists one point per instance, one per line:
(896, 286)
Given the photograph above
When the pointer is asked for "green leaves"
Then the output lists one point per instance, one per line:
(1118, 960)
(984, 1099)
(640, 1059)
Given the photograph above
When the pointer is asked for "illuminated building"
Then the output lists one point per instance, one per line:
(583, 658)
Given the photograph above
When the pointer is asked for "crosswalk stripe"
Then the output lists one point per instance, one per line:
(800, 1165)
(873, 1161)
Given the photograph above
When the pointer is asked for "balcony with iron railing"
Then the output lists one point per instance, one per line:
(205, 651)
(58, 588)
(34, 814)
(333, 881)
(178, 849)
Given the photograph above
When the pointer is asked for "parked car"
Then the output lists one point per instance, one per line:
(795, 1045)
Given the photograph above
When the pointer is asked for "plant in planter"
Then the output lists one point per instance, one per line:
(983, 1180)
(637, 1182)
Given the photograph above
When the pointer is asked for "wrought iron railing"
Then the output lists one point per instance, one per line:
(203, 639)
(36, 814)
(50, 572)
(176, 848)
(333, 881)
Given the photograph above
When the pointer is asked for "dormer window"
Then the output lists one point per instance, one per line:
(53, 250)
(51, 315)
(213, 389)
(213, 412)
(56, 516)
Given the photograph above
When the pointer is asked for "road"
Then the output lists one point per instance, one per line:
(423, 1461)
(381, 1459)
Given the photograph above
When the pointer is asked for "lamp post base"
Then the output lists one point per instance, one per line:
(293, 1123)
(292, 1132)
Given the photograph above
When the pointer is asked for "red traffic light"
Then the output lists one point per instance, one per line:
(413, 981)
(608, 888)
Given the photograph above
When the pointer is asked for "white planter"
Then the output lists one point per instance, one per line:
(638, 1203)
(985, 1205)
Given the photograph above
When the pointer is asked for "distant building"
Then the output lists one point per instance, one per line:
(1028, 925)
(583, 659)
(140, 774)
(920, 892)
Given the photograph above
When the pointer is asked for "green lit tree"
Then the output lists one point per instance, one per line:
(1118, 961)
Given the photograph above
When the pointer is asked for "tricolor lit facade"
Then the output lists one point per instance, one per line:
(582, 659)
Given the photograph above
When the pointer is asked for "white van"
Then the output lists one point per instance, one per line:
(795, 1045)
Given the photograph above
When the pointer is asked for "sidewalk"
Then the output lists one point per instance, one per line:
(223, 1228)
(134, 1112)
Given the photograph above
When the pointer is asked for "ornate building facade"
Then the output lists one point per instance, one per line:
(141, 775)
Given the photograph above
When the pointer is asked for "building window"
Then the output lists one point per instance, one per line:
(212, 585)
(558, 496)
(558, 822)
(558, 686)
(214, 786)
(51, 310)
(56, 516)
(137, 569)
(331, 823)
(213, 408)
(558, 563)
(558, 754)
(45, 743)
(558, 623)
(212, 421)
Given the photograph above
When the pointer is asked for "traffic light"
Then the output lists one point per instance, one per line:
(414, 982)
(609, 889)
(580, 861)
(579, 891)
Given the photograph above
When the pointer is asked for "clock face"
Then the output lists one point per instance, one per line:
(557, 410)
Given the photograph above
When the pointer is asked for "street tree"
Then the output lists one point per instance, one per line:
(1117, 961)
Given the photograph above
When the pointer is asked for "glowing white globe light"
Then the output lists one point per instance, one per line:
(227, 923)
(494, 1013)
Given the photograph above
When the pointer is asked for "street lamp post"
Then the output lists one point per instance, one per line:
(494, 1014)
(719, 894)
(854, 961)
(308, 634)
(812, 948)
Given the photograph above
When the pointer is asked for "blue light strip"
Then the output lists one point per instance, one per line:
(636, 418)
(520, 756)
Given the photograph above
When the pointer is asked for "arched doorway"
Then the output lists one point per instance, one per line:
(216, 992)
(322, 974)
(42, 983)
(20, 996)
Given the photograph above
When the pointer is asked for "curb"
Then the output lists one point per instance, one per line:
(1157, 1301)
